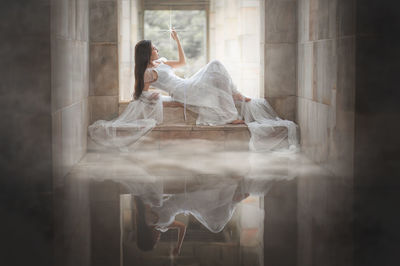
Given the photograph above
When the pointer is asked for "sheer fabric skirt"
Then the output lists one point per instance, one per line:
(266, 127)
(209, 94)
(138, 119)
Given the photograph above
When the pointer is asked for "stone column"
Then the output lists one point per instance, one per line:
(103, 89)
(69, 113)
(70, 84)
(325, 114)
(280, 56)
(326, 82)
(130, 19)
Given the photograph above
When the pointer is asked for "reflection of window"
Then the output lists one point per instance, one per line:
(192, 32)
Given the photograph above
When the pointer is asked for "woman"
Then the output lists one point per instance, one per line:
(210, 93)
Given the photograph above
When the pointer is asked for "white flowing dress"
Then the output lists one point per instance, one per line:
(209, 93)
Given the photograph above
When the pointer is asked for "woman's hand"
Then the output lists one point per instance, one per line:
(154, 96)
(174, 35)
(176, 251)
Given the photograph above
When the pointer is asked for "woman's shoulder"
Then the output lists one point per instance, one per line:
(161, 59)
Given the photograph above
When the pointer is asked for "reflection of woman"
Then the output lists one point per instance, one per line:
(212, 205)
(148, 234)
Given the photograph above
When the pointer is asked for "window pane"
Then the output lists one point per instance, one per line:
(191, 28)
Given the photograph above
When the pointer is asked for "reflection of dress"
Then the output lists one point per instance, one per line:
(211, 207)
(213, 202)
(208, 93)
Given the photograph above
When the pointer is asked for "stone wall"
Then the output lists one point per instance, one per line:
(325, 115)
(103, 88)
(70, 115)
(130, 16)
(70, 83)
(326, 82)
(280, 52)
(377, 142)
(25, 133)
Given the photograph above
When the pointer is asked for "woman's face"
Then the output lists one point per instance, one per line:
(154, 52)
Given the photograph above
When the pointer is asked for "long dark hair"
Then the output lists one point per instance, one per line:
(143, 50)
(144, 233)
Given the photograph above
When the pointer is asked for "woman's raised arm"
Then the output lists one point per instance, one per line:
(182, 59)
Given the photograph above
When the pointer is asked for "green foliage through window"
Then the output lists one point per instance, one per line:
(191, 29)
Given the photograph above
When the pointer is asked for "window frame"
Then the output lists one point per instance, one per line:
(178, 5)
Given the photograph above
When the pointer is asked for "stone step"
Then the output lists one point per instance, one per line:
(173, 112)
(226, 137)
(221, 138)
(174, 131)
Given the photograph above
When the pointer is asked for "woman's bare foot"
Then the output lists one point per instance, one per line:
(237, 122)
(240, 197)
(240, 97)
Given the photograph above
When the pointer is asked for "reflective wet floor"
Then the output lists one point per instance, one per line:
(237, 208)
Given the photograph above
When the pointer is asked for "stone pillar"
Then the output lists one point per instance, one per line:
(70, 84)
(280, 60)
(103, 89)
(326, 82)
(70, 115)
(130, 32)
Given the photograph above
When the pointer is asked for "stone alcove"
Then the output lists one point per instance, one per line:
(56, 44)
